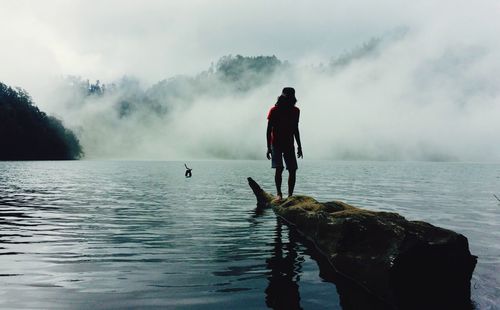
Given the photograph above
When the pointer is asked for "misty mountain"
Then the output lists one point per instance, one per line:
(367, 49)
(122, 117)
(381, 100)
(231, 75)
(29, 134)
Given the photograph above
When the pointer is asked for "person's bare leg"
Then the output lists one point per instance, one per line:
(277, 180)
(291, 181)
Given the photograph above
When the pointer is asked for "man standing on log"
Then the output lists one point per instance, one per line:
(282, 127)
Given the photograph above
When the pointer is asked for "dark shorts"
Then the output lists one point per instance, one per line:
(278, 155)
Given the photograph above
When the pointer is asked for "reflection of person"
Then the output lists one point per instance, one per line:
(188, 173)
(282, 128)
(285, 269)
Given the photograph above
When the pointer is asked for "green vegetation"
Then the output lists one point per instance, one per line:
(26, 133)
(232, 75)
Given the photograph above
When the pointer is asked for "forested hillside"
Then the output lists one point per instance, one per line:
(26, 133)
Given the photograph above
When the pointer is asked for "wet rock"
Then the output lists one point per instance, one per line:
(408, 264)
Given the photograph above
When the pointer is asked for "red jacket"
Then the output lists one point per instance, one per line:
(284, 122)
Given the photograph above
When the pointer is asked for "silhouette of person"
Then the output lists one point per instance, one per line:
(285, 266)
(282, 128)
(188, 173)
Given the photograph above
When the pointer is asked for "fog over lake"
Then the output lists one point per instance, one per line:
(399, 111)
(392, 80)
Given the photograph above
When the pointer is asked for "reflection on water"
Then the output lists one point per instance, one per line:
(285, 267)
(131, 234)
(139, 234)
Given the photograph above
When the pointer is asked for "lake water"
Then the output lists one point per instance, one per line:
(129, 234)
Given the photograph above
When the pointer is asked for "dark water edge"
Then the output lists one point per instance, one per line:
(351, 295)
(89, 234)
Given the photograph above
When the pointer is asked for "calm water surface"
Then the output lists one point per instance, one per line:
(114, 234)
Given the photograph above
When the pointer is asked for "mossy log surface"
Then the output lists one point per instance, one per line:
(407, 264)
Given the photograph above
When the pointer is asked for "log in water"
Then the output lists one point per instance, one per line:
(408, 264)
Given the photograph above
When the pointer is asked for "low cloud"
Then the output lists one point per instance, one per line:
(427, 90)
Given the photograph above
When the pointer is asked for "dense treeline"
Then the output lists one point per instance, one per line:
(26, 133)
(128, 118)
(231, 75)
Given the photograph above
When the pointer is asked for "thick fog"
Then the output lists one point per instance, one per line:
(392, 80)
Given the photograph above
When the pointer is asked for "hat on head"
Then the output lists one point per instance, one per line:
(289, 91)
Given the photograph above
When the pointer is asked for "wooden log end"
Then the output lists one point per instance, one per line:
(263, 198)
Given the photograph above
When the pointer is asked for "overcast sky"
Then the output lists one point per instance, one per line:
(435, 91)
(157, 39)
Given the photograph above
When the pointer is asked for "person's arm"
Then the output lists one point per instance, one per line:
(268, 139)
(296, 133)
(299, 144)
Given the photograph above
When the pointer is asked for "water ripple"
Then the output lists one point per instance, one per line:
(138, 234)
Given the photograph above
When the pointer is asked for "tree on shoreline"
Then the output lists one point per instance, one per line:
(26, 133)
